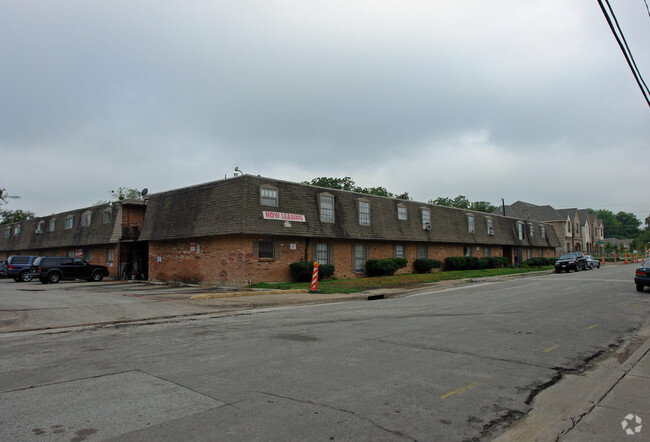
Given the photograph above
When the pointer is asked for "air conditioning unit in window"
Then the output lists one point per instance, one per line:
(491, 231)
(426, 226)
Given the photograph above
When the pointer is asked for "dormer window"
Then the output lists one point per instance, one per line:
(426, 219)
(521, 230)
(17, 230)
(69, 222)
(364, 213)
(52, 225)
(41, 227)
(269, 196)
(532, 230)
(543, 229)
(86, 218)
(490, 226)
(326, 203)
(470, 223)
(401, 212)
(108, 216)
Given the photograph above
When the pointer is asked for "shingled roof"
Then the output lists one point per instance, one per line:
(233, 206)
(97, 232)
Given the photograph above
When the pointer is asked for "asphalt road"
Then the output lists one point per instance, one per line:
(455, 364)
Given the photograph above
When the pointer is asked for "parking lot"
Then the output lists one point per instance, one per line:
(32, 305)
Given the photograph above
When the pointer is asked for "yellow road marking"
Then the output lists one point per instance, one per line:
(461, 390)
(551, 348)
(592, 326)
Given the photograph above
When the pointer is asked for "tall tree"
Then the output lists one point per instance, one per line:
(346, 183)
(14, 216)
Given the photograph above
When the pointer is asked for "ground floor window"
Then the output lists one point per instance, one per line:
(109, 254)
(359, 258)
(467, 251)
(265, 249)
(423, 251)
(487, 252)
(529, 253)
(400, 251)
(322, 253)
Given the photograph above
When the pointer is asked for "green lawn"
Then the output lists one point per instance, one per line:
(396, 281)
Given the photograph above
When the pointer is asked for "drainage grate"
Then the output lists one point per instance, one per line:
(373, 297)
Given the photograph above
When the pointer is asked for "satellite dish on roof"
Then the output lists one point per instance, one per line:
(145, 191)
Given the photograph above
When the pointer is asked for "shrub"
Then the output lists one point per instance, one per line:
(400, 262)
(540, 262)
(302, 271)
(493, 262)
(382, 267)
(426, 265)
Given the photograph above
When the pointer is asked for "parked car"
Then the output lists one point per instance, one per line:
(642, 275)
(571, 261)
(19, 267)
(3, 269)
(55, 268)
(592, 262)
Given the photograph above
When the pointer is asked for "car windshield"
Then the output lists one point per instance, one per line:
(646, 263)
(568, 256)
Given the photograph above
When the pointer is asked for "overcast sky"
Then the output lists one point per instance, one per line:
(522, 100)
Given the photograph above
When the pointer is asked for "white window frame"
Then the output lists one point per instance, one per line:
(426, 219)
(86, 219)
(521, 230)
(326, 203)
(69, 223)
(107, 216)
(52, 225)
(110, 254)
(470, 223)
(322, 253)
(532, 230)
(364, 213)
(7, 232)
(402, 213)
(543, 229)
(490, 226)
(40, 228)
(269, 196)
(17, 230)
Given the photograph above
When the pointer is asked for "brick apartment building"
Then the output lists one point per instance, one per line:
(248, 229)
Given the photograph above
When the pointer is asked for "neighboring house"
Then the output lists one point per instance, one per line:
(617, 243)
(576, 229)
(249, 229)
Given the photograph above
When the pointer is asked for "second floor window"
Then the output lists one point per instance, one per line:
(543, 232)
(521, 231)
(108, 217)
(364, 213)
(69, 223)
(426, 219)
(41, 227)
(52, 225)
(86, 218)
(401, 213)
(490, 226)
(327, 208)
(269, 196)
(470, 224)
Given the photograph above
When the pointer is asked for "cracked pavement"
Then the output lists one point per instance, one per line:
(463, 363)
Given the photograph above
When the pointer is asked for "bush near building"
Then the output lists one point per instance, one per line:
(385, 267)
(422, 265)
(302, 271)
(474, 263)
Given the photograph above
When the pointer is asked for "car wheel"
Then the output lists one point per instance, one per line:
(577, 267)
(97, 276)
(639, 287)
(54, 277)
(24, 277)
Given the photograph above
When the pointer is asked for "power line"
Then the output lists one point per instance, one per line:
(627, 53)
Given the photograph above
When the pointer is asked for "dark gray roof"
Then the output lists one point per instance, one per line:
(96, 233)
(528, 211)
(232, 206)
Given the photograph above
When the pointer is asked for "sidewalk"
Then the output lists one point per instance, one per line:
(610, 402)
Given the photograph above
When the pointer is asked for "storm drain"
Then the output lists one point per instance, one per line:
(374, 297)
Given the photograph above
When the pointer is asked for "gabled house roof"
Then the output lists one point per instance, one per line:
(528, 211)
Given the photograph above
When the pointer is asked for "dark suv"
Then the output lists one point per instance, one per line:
(571, 261)
(55, 268)
(19, 267)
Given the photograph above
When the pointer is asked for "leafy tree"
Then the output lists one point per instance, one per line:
(622, 225)
(123, 193)
(482, 206)
(14, 216)
(4, 196)
(346, 183)
(461, 202)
